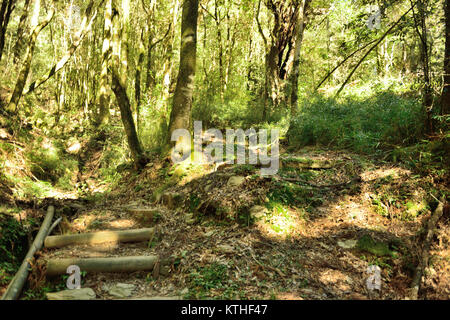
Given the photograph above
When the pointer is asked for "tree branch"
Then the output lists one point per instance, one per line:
(370, 50)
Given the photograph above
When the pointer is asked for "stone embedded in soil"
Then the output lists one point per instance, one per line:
(145, 216)
(348, 244)
(184, 292)
(258, 212)
(225, 248)
(171, 199)
(77, 294)
(209, 233)
(357, 296)
(159, 298)
(235, 181)
(164, 271)
(121, 290)
(189, 218)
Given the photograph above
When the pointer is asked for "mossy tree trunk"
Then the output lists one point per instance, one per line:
(124, 42)
(445, 107)
(23, 74)
(137, 80)
(5, 14)
(169, 56)
(421, 28)
(150, 11)
(127, 120)
(278, 50)
(299, 29)
(20, 31)
(104, 97)
(119, 87)
(182, 101)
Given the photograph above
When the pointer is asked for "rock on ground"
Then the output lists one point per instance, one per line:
(235, 181)
(258, 212)
(77, 294)
(348, 244)
(121, 290)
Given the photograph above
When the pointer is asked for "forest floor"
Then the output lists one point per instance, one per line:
(310, 232)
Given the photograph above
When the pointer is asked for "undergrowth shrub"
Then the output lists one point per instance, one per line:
(153, 125)
(363, 125)
(13, 247)
(239, 109)
(48, 163)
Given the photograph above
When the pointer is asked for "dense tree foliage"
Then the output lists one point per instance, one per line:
(82, 66)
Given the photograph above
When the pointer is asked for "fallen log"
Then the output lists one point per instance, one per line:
(16, 285)
(307, 164)
(137, 235)
(116, 264)
(54, 225)
(331, 186)
(425, 252)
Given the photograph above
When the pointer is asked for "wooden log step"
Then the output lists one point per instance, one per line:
(116, 264)
(136, 235)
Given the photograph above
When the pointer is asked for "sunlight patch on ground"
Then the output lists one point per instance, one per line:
(288, 296)
(83, 222)
(385, 172)
(335, 277)
(281, 223)
(120, 224)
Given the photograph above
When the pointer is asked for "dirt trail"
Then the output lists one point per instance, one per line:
(271, 238)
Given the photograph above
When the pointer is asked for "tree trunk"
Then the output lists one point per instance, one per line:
(220, 46)
(168, 66)
(445, 107)
(23, 75)
(150, 78)
(5, 14)
(278, 53)
(104, 97)
(182, 100)
(20, 31)
(420, 22)
(148, 32)
(124, 46)
(128, 123)
(231, 42)
(137, 81)
(272, 78)
(119, 89)
(300, 28)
